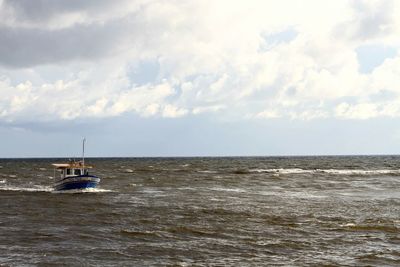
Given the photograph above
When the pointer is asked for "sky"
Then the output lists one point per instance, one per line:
(199, 78)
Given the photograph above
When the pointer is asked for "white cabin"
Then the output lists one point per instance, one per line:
(71, 169)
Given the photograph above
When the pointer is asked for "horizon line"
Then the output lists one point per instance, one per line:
(198, 156)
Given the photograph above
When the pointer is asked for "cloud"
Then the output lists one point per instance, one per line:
(21, 47)
(47, 14)
(371, 56)
(373, 19)
(259, 59)
(76, 98)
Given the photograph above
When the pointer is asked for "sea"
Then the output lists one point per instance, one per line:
(224, 211)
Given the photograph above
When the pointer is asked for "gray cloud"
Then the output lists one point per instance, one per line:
(35, 32)
(43, 10)
(373, 21)
(24, 47)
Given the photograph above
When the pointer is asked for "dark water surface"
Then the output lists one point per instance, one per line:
(289, 211)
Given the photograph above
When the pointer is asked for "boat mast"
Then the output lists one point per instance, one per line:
(83, 154)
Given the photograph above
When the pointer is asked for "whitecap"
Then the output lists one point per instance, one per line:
(39, 188)
(348, 225)
(327, 171)
(236, 190)
(358, 171)
(27, 189)
(86, 190)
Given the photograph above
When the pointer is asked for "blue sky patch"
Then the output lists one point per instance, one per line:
(371, 56)
(277, 38)
(144, 72)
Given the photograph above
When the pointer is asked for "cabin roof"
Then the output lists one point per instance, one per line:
(72, 165)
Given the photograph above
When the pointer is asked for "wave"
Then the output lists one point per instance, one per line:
(27, 189)
(390, 228)
(50, 189)
(278, 171)
(236, 190)
(86, 190)
(207, 171)
(281, 170)
(359, 172)
(139, 233)
(323, 171)
(187, 230)
(291, 194)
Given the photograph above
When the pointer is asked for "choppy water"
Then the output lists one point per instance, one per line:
(289, 211)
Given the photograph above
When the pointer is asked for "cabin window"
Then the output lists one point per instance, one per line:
(68, 171)
(77, 172)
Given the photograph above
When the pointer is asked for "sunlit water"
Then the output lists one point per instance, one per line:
(289, 211)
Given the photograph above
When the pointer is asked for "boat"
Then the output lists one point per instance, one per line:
(74, 175)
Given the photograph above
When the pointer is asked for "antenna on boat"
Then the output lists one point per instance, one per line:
(83, 153)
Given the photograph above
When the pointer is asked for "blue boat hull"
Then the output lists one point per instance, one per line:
(77, 182)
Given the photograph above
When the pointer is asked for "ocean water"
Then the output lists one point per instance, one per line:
(256, 211)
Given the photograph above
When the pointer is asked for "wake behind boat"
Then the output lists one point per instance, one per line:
(75, 175)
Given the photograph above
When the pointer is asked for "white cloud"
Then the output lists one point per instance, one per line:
(207, 109)
(171, 111)
(268, 114)
(72, 61)
(358, 111)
